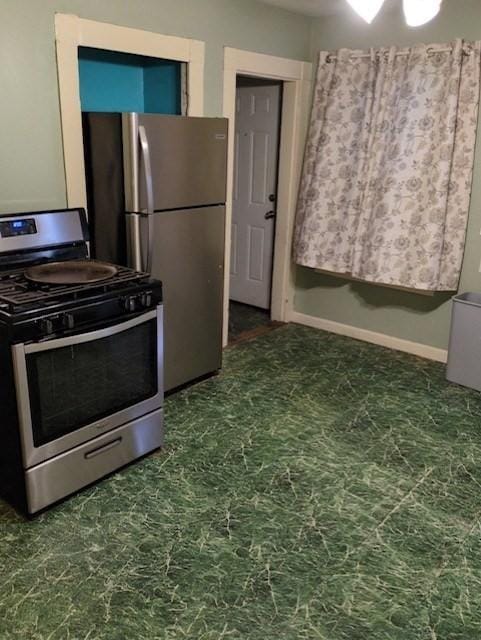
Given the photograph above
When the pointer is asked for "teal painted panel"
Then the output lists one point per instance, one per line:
(110, 81)
(162, 87)
(116, 82)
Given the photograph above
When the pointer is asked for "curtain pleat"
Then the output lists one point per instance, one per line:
(459, 187)
(329, 197)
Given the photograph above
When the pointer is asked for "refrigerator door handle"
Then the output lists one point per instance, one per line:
(150, 242)
(149, 189)
(134, 245)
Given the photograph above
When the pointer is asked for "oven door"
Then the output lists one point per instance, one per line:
(70, 390)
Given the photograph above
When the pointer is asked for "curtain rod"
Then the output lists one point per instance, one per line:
(467, 50)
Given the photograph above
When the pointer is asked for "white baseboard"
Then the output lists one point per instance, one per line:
(382, 339)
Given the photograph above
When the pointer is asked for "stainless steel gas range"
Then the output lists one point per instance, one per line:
(81, 360)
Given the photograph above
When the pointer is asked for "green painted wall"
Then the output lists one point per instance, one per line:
(31, 161)
(404, 315)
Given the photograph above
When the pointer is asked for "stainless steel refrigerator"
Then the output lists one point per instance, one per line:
(156, 201)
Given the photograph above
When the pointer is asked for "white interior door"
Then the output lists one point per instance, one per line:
(253, 208)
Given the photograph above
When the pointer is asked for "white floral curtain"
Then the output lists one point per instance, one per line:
(387, 175)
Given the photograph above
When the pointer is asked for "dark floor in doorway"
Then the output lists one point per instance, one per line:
(245, 318)
(318, 488)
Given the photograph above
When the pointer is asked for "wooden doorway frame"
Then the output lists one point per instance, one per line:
(72, 32)
(296, 77)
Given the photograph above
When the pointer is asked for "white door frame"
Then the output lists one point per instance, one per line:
(72, 32)
(296, 77)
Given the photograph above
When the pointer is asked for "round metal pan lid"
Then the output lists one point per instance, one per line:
(71, 272)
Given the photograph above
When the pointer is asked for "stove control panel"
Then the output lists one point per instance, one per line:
(87, 317)
(12, 228)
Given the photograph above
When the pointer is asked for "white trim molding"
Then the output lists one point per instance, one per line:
(382, 339)
(296, 77)
(72, 32)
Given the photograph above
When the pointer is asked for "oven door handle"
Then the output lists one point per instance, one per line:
(99, 450)
(58, 343)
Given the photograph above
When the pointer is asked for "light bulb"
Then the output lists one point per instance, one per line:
(418, 12)
(367, 9)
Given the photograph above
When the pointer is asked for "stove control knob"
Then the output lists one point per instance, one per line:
(46, 326)
(68, 321)
(130, 304)
(146, 299)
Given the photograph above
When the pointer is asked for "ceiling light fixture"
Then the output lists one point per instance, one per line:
(367, 9)
(416, 12)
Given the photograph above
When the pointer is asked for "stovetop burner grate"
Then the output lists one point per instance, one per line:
(16, 291)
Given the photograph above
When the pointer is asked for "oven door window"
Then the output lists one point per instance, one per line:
(73, 386)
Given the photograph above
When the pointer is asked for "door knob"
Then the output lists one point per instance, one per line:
(270, 214)
(272, 197)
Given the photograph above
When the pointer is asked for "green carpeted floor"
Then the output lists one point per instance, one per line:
(318, 488)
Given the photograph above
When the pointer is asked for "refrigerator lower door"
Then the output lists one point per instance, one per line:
(188, 257)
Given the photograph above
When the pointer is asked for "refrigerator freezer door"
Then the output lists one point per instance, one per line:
(188, 160)
(189, 259)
